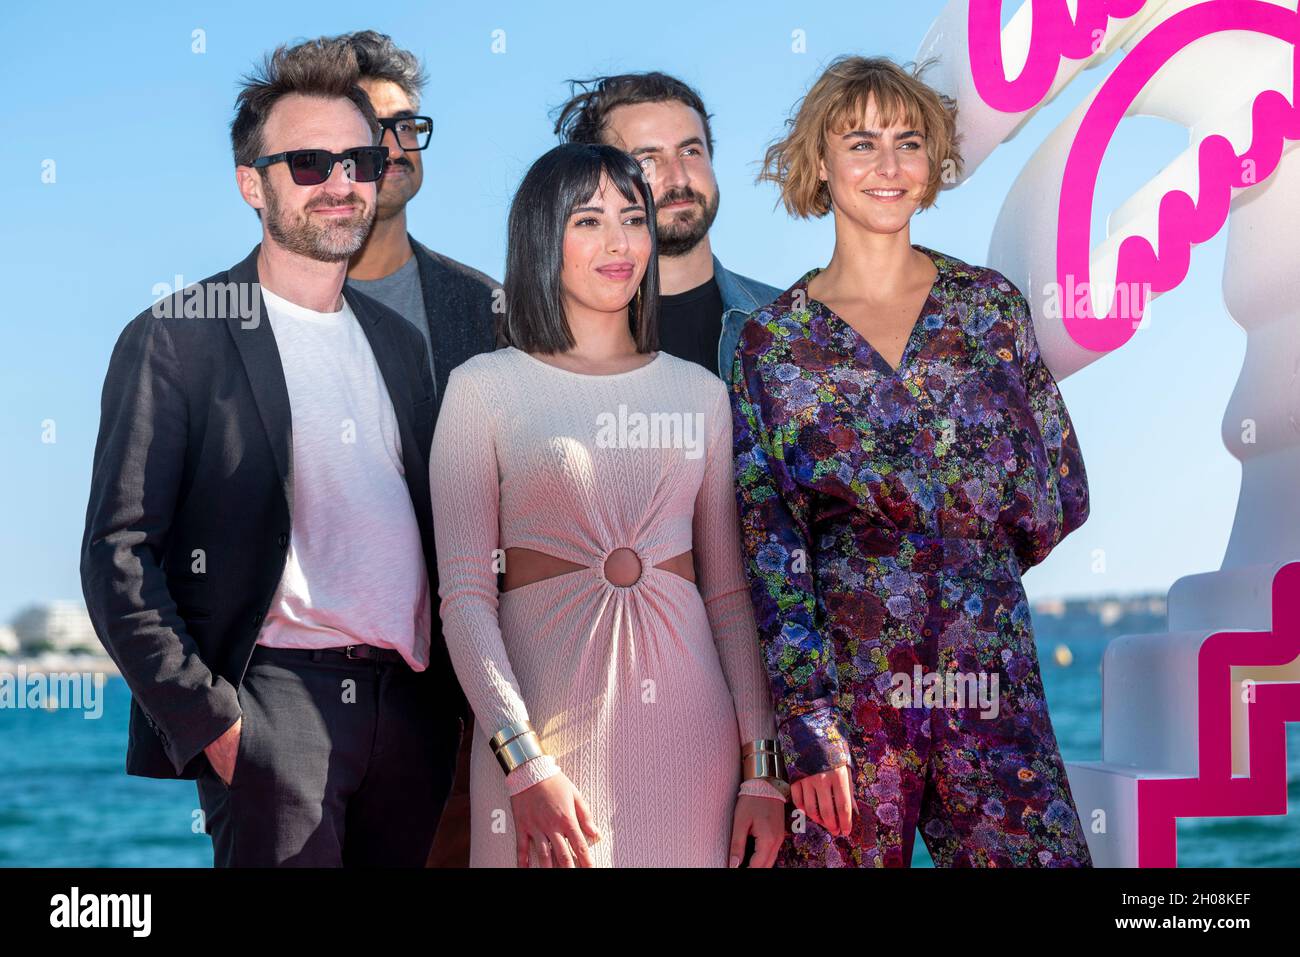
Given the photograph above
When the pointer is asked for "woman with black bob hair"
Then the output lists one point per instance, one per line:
(560, 181)
(615, 674)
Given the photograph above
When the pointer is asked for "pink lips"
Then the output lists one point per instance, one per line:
(335, 210)
(619, 272)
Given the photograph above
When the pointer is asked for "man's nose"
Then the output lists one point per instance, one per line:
(338, 181)
(389, 139)
(671, 173)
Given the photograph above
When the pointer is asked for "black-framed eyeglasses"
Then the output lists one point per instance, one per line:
(363, 164)
(411, 132)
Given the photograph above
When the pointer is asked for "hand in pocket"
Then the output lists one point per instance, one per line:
(223, 752)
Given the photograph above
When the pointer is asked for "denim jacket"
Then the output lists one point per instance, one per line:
(740, 297)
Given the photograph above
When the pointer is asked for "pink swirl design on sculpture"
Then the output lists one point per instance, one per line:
(1181, 221)
(1053, 35)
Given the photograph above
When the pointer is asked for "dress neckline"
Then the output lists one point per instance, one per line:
(588, 375)
(908, 351)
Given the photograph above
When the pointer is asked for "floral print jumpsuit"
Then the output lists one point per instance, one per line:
(887, 516)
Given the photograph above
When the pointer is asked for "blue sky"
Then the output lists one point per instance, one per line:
(137, 126)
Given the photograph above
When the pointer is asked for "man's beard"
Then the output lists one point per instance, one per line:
(679, 238)
(329, 242)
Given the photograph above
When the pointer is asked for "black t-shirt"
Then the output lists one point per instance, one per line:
(690, 324)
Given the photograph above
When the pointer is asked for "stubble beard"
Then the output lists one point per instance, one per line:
(679, 238)
(329, 242)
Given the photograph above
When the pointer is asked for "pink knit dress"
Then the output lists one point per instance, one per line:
(642, 694)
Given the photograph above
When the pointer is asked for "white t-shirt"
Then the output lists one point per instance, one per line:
(355, 572)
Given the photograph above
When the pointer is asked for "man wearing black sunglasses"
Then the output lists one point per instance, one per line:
(450, 303)
(259, 539)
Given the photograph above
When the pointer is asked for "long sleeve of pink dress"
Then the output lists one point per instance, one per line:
(641, 694)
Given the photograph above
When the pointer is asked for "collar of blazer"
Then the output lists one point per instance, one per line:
(255, 342)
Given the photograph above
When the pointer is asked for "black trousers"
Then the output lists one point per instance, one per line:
(342, 762)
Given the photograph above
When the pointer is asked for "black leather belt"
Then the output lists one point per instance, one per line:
(361, 652)
(349, 652)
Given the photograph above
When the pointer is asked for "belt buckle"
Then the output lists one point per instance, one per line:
(351, 652)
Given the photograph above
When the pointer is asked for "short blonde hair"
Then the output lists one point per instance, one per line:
(835, 104)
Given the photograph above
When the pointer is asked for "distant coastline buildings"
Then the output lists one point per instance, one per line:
(61, 626)
(54, 635)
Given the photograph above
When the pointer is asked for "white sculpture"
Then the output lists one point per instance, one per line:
(1185, 711)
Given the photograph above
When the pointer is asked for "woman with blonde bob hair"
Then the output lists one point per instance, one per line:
(902, 455)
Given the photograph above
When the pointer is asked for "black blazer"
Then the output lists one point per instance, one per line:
(191, 500)
(463, 306)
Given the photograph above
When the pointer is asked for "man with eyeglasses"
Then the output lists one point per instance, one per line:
(259, 534)
(662, 123)
(450, 303)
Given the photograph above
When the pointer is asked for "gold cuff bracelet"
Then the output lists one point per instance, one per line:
(514, 744)
(761, 759)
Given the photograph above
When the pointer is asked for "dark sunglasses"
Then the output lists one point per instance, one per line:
(411, 132)
(364, 164)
